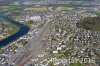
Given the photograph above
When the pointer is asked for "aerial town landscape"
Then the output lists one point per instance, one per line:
(49, 32)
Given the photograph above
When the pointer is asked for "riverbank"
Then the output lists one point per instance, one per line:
(22, 31)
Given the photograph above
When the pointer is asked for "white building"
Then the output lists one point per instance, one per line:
(35, 18)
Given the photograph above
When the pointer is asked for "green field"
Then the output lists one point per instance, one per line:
(10, 28)
(9, 7)
(97, 13)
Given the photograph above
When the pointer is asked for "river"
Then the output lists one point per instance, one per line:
(22, 31)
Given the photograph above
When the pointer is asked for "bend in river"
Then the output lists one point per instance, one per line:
(22, 31)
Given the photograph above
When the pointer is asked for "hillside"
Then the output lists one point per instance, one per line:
(89, 23)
